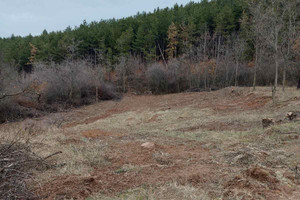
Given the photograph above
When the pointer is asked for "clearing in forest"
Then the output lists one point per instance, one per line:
(208, 145)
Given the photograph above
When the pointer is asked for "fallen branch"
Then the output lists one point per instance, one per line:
(4, 95)
(51, 155)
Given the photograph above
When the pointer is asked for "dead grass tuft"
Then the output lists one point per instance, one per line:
(166, 191)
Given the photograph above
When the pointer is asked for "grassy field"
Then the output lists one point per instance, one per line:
(208, 145)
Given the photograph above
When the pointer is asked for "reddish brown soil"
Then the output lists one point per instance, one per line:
(89, 120)
(260, 182)
(219, 101)
(247, 102)
(97, 133)
(218, 126)
(186, 162)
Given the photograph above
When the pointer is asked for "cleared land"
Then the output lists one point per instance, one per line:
(208, 145)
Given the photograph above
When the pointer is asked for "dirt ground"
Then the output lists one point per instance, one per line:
(208, 145)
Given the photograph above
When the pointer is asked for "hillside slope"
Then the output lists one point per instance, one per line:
(208, 145)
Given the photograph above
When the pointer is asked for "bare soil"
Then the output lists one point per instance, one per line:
(210, 141)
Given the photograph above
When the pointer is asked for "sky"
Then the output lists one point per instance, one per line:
(24, 17)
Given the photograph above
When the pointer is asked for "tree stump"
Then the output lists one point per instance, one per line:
(268, 122)
(293, 115)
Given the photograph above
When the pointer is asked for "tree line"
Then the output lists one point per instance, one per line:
(206, 44)
(149, 36)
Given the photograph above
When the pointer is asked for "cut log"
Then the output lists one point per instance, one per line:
(268, 122)
(293, 115)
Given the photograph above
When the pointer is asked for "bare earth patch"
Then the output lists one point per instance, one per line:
(208, 145)
(97, 133)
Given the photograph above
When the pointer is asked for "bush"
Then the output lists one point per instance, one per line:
(50, 88)
(171, 79)
(157, 79)
(73, 83)
(177, 76)
(64, 82)
(107, 91)
(11, 112)
(130, 74)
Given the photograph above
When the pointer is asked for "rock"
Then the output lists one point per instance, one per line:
(148, 145)
(267, 122)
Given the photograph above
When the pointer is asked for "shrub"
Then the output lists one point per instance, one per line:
(10, 111)
(50, 88)
(73, 83)
(170, 79)
(157, 79)
(107, 91)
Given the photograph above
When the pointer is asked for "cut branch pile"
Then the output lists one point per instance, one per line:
(17, 162)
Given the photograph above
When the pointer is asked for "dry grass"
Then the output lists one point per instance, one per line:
(167, 191)
(205, 145)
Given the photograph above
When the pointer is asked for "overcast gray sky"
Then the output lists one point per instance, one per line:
(21, 17)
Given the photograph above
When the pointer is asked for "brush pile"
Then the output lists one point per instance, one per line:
(17, 162)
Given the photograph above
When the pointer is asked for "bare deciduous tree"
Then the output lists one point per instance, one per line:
(290, 34)
(256, 10)
(238, 47)
(269, 22)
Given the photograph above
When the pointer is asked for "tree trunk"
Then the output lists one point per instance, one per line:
(276, 69)
(97, 93)
(124, 82)
(236, 74)
(205, 77)
(290, 35)
(226, 75)
(226, 68)
(162, 55)
(284, 77)
(204, 59)
(298, 87)
(204, 50)
(273, 93)
(218, 60)
(71, 93)
(255, 67)
(190, 77)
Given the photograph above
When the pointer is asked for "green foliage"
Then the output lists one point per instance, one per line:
(225, 21)
(141, 35)
(125, 41)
